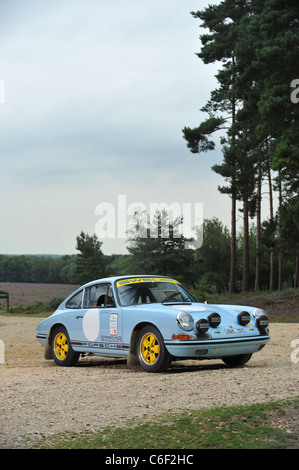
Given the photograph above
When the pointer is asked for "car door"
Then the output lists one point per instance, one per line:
(100, 322)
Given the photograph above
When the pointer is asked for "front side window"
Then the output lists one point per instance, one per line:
(151, 290)
(98, 296)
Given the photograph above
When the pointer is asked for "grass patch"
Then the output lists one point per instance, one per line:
(237, 427)
(37, 309)
(282, 306)
(40, 313)
(42, 299)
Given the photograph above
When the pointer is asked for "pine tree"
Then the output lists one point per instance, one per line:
(223, 23)
(257, 43)
(274, 32)
(90, 261)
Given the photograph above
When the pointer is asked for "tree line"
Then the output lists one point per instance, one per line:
(206, 269)
(254, 111)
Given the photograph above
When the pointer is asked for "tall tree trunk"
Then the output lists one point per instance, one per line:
(245, 280)
(296, 283)
(233, 248)
(233, 244)
(272, 252)
(258, 230)
(280, 241)
(272, 269)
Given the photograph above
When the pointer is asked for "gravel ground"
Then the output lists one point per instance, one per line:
(37, 398)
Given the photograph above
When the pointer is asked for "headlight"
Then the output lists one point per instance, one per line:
(262, 320)
(185, 321)
(257, 312)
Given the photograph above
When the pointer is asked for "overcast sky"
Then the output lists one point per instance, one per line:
(96, 95)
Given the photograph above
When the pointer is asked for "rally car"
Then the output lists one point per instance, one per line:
(151, 321)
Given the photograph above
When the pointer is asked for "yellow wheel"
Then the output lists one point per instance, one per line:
(150, 350)
(61, 346)
(62, 351)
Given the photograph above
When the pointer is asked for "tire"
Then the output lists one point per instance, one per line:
(235, 361)
(62, 351)
(150, 350)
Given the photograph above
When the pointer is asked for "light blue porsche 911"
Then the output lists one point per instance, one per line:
(151, 321)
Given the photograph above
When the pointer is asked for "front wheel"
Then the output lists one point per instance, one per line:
(151, 352)
(235, 361)
(62, 351)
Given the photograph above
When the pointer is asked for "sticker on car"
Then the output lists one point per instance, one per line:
(235, 330)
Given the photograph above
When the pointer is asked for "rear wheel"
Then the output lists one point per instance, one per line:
(235, 361)
(151, 352)
(62, 351)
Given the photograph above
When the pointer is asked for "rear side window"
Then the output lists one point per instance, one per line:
(75, 301)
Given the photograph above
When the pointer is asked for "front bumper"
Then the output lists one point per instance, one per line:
(213, 348)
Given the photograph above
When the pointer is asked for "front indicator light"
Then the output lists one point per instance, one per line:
(180, 337)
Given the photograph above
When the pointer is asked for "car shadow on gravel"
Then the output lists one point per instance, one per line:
(176, 367)
(103, 363)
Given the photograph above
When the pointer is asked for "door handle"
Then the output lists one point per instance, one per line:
(79, 316)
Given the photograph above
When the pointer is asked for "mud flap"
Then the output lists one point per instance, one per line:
(48, 352)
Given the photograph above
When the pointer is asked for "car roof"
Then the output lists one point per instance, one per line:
(112, 279)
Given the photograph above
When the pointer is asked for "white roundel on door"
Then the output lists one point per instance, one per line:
(91, 324)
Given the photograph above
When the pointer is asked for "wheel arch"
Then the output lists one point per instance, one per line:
(132, 357)
(48, 352)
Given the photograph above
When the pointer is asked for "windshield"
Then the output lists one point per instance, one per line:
(136, 291)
